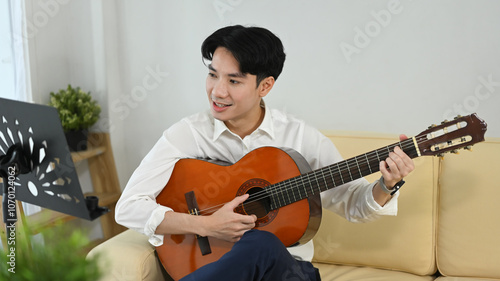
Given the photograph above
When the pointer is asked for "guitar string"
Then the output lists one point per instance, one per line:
(291, 183)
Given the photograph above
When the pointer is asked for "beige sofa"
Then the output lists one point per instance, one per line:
(447, 228)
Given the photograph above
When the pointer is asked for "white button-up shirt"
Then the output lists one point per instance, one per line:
(202, 136)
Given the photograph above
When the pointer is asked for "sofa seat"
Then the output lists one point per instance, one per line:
(349, 273)
(448, 278)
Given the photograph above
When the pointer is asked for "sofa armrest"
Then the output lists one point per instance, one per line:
(128, 257)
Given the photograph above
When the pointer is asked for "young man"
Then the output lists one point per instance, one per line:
(244, 63)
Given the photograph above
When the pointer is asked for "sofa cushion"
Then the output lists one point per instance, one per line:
(468, 243)
(403, 243)
(349, 273)
(138, 262)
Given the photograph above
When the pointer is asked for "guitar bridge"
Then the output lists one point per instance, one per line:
(193, 208)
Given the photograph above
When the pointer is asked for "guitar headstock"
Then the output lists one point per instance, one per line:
(449, 136)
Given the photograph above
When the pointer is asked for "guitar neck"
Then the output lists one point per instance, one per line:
(314, 182)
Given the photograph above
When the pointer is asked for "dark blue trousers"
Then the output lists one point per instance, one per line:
(258, 256)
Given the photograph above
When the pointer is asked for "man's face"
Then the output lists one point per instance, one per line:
(234, 96)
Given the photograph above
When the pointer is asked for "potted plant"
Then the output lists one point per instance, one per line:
(78, 112)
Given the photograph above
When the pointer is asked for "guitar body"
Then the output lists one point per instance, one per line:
(215, 184)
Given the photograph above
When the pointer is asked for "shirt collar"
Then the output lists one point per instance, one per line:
(266, 126)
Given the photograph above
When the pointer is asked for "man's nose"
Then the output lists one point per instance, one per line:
(220, 90)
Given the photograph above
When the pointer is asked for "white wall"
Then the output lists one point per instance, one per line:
(412, 63)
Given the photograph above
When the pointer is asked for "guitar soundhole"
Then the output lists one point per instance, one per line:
(258, 203)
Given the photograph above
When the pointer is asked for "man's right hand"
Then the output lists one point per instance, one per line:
(227, 225)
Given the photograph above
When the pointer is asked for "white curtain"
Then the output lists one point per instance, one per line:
(19, 41)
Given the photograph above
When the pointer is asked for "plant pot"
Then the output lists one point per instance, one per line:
(77, 140)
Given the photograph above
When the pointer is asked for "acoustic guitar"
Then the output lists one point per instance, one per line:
(284, 192)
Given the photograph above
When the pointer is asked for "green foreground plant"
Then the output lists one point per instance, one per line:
(61, 256)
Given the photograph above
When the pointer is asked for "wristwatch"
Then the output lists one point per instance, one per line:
(392, 191)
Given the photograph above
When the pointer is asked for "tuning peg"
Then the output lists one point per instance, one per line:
(432, 126)
(454, 151)
(440, 155)
(445, 121)
(469, 147)
(458, 116)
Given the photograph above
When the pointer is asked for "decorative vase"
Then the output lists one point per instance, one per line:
(77, 139)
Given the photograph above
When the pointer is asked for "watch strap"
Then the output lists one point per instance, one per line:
(392, 191)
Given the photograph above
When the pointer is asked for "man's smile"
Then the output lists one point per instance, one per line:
(221, 104)
(219, 107)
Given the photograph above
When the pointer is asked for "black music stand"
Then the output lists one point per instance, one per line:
(36, 165)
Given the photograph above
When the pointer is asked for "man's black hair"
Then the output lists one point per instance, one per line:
(257, 50)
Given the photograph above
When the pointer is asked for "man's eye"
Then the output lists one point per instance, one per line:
(211, 75)
(234, 81)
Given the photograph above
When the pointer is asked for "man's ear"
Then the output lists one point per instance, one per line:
(266, 85)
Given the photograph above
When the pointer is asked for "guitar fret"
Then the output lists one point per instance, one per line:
(277, 199)
(317, 187)
(368, 164)
(310, 187)
(284, 199)
(305, 187)
(340, 173)
(317, 182)
(324, 179)
(378, 157)
(336, 179)
(288, 191)
(269, 190)
(299, 187)
(349, 169)
(410, 148)
(357, 164)
(271, 196)
(295, 199)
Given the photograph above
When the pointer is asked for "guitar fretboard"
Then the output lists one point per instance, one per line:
(314, 182)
